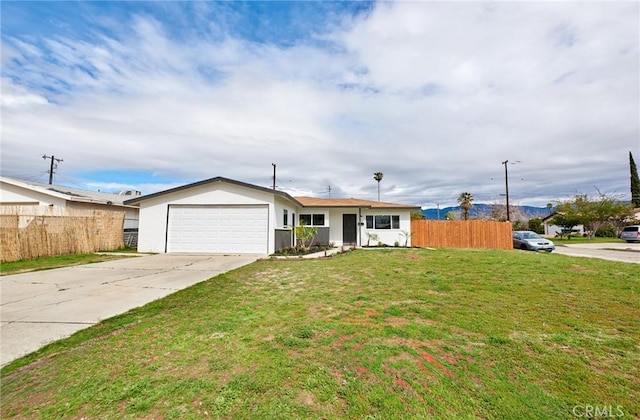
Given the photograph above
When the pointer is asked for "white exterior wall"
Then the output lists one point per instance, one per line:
(333, 220)
(552, 230)
(387, 236)
(12, 194)
(280, 206)
(154, 211)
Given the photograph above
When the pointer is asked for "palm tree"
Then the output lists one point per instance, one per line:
(465, 200)
(378, 177)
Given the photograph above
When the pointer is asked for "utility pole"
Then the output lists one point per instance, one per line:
(506, 185)
(274, 176)
(52, 167)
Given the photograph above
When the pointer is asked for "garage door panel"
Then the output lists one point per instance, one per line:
(218, 229)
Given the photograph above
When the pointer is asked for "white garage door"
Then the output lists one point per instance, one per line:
(218, 229)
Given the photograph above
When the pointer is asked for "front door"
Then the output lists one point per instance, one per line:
(349, 229)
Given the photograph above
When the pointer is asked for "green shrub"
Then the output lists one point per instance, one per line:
(607, 231)
(536, 225)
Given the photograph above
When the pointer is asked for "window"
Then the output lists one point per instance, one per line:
(383, 221)
(285, 218)
(305, 219)
(312, 219)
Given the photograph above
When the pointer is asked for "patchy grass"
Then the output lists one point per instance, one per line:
(47, 263)
(584, 240)
(366, 334)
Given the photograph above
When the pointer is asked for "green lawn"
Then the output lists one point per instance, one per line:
(47, 263)
(582, 240)
(367, 334)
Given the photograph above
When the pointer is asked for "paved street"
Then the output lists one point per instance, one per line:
(625, 252)
(40, 307)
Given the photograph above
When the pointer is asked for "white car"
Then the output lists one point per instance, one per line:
(631, 233)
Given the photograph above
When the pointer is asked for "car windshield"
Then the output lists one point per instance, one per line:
(530, 235)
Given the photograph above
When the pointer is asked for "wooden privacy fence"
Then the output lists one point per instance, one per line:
(30, 232)
(461, 234)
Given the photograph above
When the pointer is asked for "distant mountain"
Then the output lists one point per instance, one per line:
(484, 209)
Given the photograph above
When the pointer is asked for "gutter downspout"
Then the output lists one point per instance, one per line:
(359, 227)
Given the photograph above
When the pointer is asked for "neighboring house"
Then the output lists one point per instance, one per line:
(221, 215)
(24, 194)
(553, 230)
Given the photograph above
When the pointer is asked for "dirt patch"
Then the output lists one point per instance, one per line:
(396, 321)
(581, 269)
(339, 342)
(361, 371)
(358, 321)
(306, 398)
(321, 311)
(399, 358)
(431, 359)
(401, 383)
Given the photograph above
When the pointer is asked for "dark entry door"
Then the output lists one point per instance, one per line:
(349, 228)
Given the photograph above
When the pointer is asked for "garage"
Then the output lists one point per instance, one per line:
(218, 229)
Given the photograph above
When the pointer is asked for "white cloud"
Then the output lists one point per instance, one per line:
(17, 97)
(435, 95)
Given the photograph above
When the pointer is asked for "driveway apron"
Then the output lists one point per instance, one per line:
(40, 307)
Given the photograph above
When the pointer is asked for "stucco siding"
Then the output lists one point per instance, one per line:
(154, 211)
(388, 236)
(13, 194)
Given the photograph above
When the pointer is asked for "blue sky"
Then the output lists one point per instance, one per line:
(152, 95)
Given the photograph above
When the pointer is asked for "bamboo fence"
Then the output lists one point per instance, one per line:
(28, 232)
(461, 234)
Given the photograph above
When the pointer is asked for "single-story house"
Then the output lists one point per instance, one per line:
(27, 194)
(221, 215)
(552, 230)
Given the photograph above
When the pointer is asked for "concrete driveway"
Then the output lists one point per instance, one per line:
(40, 307)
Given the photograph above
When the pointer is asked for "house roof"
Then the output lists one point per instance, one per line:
(217, 179)
(350, 202)
(68, 193)
(302, 201)
(549, 216)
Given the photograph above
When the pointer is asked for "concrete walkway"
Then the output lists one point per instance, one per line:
(40, 307)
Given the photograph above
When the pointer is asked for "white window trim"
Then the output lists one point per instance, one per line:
(324, 215)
